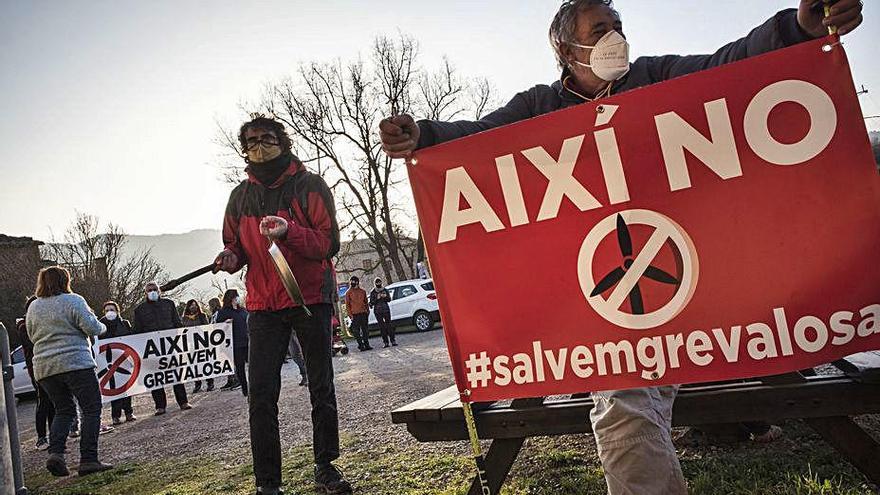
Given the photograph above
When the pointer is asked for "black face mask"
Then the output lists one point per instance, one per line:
(269, 172)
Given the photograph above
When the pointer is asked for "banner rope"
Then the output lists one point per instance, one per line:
(475, 443)
(469, 421)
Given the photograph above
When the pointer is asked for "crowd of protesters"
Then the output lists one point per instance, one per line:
(57, 336)
(58, 333)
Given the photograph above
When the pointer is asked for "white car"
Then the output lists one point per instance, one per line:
(413, 302)
(21, 381)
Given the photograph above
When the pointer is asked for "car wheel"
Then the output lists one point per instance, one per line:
(423, 321)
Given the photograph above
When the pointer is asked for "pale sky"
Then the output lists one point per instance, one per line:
(108, 107)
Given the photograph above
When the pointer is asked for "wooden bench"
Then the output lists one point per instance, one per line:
(826, 403)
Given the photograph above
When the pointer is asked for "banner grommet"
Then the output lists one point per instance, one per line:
(828, 47)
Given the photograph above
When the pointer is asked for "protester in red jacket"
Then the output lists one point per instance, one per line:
(282, 202)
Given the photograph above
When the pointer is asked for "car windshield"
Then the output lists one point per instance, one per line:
(404, 291)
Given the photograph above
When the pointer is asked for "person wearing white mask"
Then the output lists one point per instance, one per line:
(117, 326)
(632, 427)
(159, 313)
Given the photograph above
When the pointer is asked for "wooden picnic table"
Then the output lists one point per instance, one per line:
(827, 403)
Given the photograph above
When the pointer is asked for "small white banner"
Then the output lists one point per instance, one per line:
(136, 364)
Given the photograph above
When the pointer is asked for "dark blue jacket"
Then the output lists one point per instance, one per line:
(119, 327)
(152, 316)
(239, 325)
(779, 31)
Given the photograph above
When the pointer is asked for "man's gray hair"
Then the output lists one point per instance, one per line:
(151, 282)
(565, 22)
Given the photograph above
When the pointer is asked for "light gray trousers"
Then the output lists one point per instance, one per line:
(633, 430)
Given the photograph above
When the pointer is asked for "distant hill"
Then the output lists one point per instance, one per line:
(183, 253)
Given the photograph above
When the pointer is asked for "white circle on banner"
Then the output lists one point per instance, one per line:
(665, 231)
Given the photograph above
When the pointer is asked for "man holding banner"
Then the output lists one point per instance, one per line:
(632, 427)
(158, 313)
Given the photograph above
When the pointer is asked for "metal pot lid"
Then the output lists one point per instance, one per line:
(287, 278)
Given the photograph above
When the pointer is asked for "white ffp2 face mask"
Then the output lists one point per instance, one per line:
(153, 295)
(609, 59)
(111, 315)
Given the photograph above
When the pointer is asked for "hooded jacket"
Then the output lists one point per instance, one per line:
(780, 31)
(380, 305)
(312, 236)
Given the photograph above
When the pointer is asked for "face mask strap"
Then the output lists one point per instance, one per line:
(585, 47)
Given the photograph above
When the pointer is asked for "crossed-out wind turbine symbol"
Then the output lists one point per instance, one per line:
(624, 240)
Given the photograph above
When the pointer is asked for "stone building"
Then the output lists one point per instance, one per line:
(20, 261)
(357, 257)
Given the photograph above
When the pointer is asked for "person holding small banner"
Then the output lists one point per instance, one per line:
(60, 324)
(158, 313)
(117, 327)
(632, 427)
(194, 316)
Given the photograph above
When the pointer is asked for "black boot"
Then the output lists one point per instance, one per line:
(329, 478)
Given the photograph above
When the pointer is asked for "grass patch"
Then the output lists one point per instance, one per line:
(800, 464)
(386, 470)
(807, 468)
(184, 476)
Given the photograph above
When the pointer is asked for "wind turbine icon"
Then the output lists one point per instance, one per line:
(624, 240)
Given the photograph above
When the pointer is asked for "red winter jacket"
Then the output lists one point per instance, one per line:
(312, 237)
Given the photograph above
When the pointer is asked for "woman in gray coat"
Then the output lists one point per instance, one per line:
(60, 324)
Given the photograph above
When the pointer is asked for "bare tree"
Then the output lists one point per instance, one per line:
(100, 266)
(333, 111)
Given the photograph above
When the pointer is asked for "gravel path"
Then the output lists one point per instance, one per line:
(369, 385)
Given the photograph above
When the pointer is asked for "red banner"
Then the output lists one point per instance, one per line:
(716, 226)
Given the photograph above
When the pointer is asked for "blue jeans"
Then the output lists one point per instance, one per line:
(62, 389)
